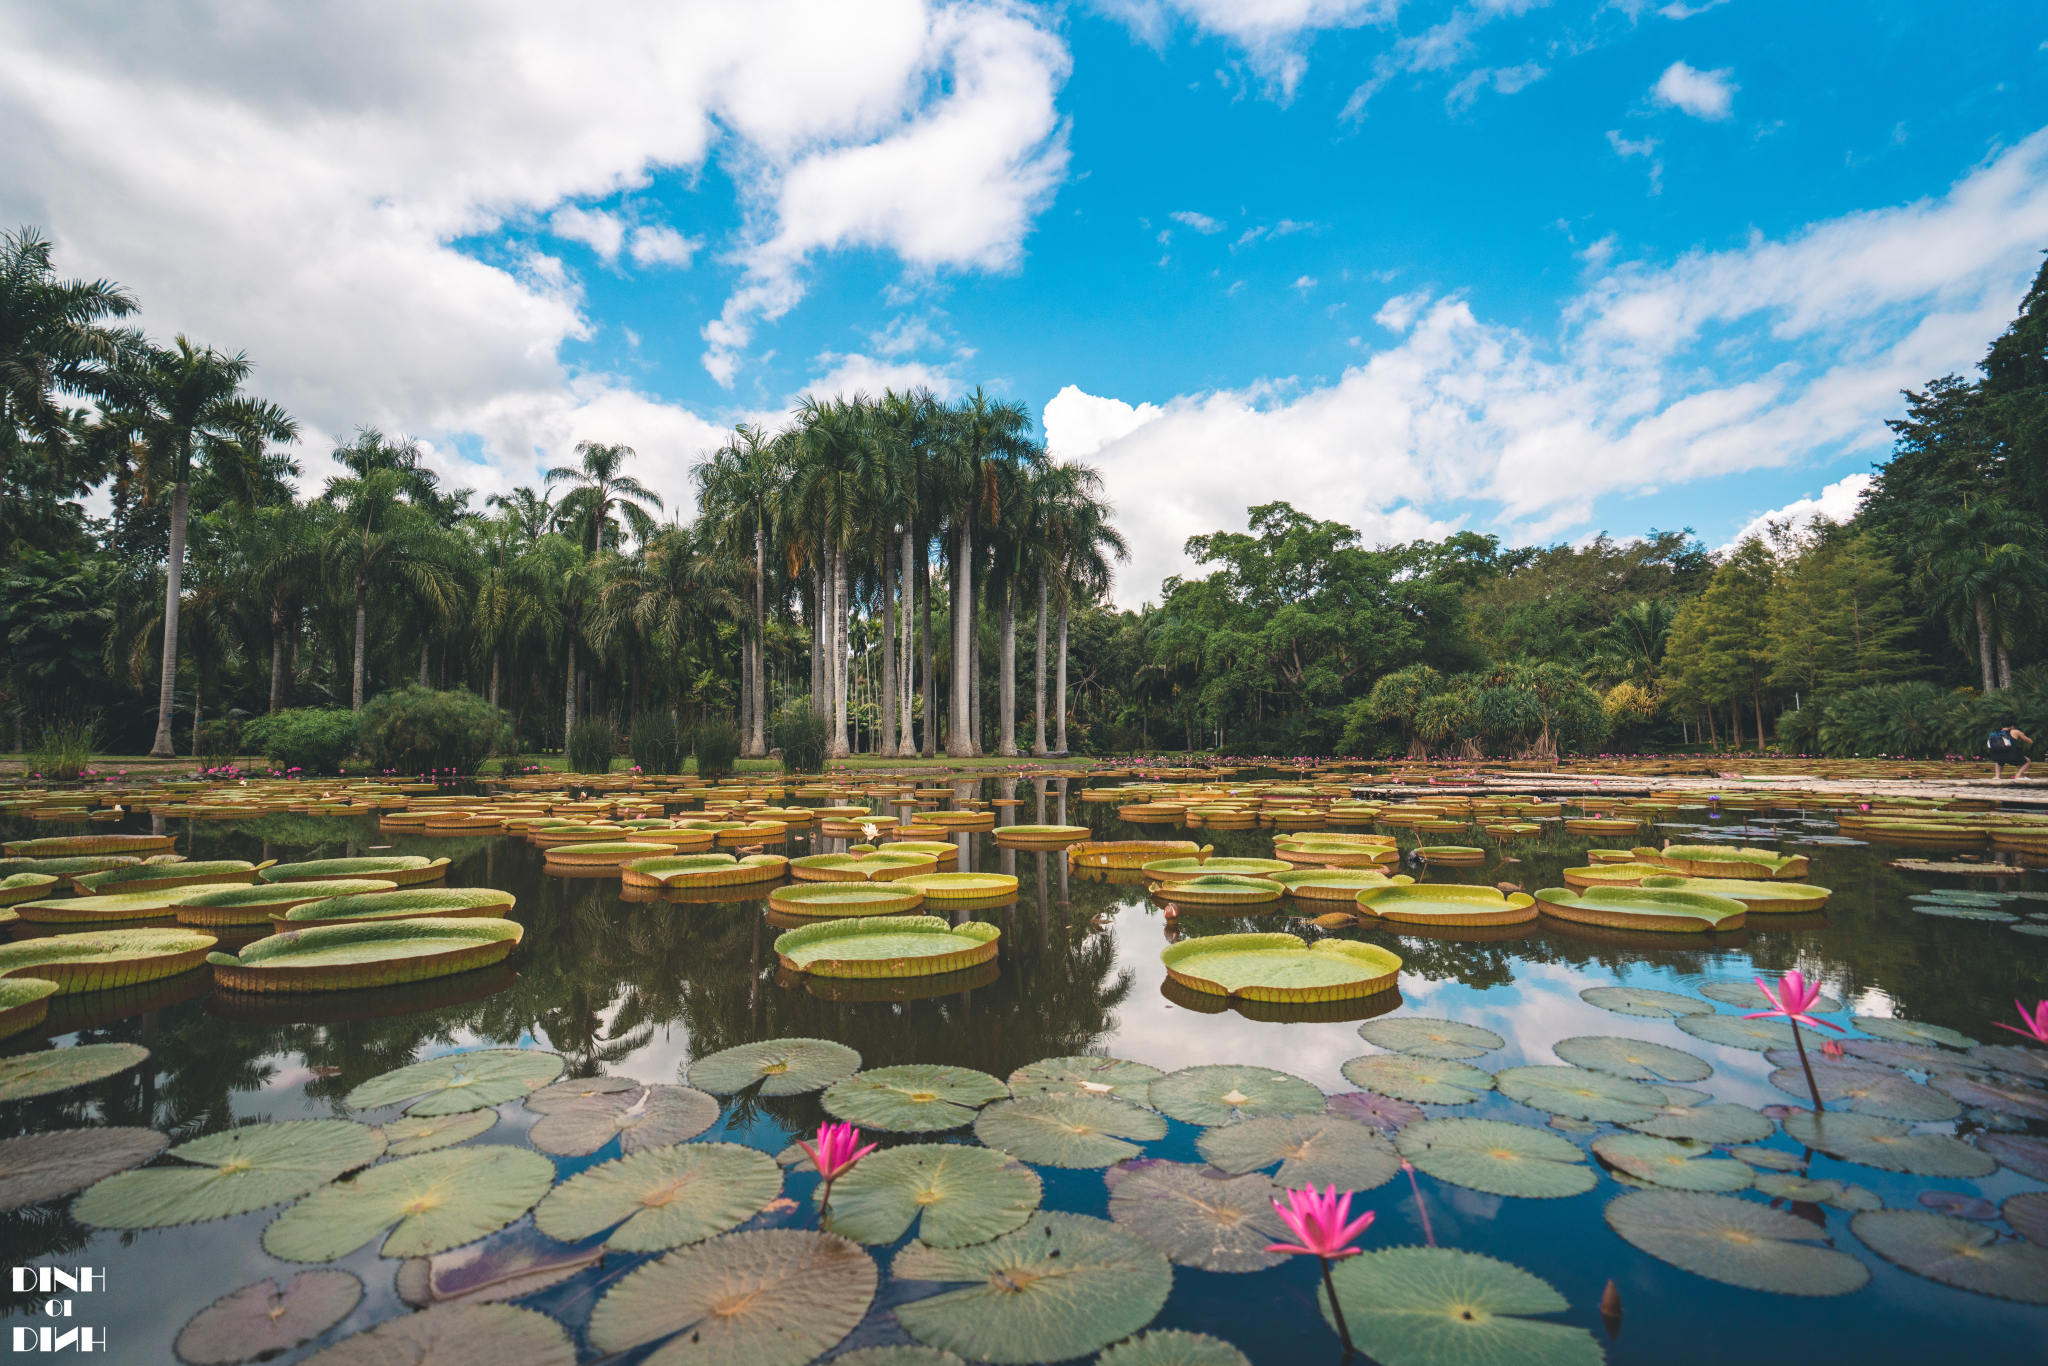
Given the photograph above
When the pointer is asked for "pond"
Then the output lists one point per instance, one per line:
(638, 989)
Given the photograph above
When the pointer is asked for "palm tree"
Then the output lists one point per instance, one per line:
(1083, 542)
(839, 460)
(279, 547)
(1630, 648)
(1981, 566)
(377, 536)
(510, 596)
(534, 514)
(737, 500)
(600, 488)
(975, 437)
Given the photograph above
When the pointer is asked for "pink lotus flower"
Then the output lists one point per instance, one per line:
(1320, 1222)
(1793, 998)
(2036, 1024)
(834, 1156)
(1832, 1051)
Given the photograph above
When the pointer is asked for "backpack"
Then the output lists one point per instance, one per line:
(1998, 742)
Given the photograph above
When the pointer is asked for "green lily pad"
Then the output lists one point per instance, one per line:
(1732, 1031)
(1160, 1347)
(2018, 1061)
(1989, 1093)
(1803, 1190)
(1644, 1001)
(233, 1172)
(768, 1297)
(1957, 1252)
(1952, 912)
(38, 1167)
(164, 875)
(1909, 1031)
(954, 1195)
(1201, 1220)
(1632, 1058)
(436, 1201)
(1707, 1123)
(1062, 1285)
(1280, 967)
(2028, 1156)
(1580, 1093)
(916, 1098)
(2028, 1215)
(1679, 1164)
(1736, 1242)
(1873, 1142)
(264, 1319)
(407, 904)
(457, 1082)
(1497, 1157)
(1430, 1306)
(888, 946)
(784, 1067)
(456, 1334)
(1749, 997)
(1422, 1037)
(373, 953)
(1086, 1076)
(663, 1198)
(319, 870)
(1863, 1089)
(1219, 1094)
(1911, 1057)
(1068, 1131)
(897, 1356)
(1423, 1081)
(1382, 1113)
(105, 959)
(651, 1117)
(1769, 1159)
(556, 1095)
(1312, 1150)
(410, 1135)
(60, 1069)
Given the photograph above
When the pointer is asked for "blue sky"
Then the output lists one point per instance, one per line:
(1538, 270)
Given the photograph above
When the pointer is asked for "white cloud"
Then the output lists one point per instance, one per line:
(1506, 80)
(858, 374)
(1273, 33)
(657, 245)
(1399, 313)
(1702, 94)
(1200, 222)
(1077, 425)
(1837, 502)
(1305, 283)
(603, 233)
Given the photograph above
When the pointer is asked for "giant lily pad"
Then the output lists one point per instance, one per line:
(1767, 898)
(783, 1067)
(1312, 1150)
(662, 1198)
(1160, 1347)
(954, 1195)
(1424, 1081)
(1429, 1306)
(105, 959)
(1632, 1058)
(1200, 1220)
(1644, 1001)
(1732, 1031)
(255, 905)
(1873, 1142)
(378, 954)
(1863, 1089)
(1989, 1093)
(1220, 1094)
(962, 889)
(1684, 1117)
(403, 869)
(112, 909)
(1446, 904)
(887, 946)
(1639, 908)
(1086, 1076)
(405, 1137)
(1066, 1130)
(38, 1167)
(457, 1082)
(1062, 1285)
(773, 1297)
(1736, 1242)
(2030, 1063)
(24, 1003)
(156, 877)
(60, 1069)
(2028, 1156)
(912, 1099)
(430, 1203)
(1280, 967)
(419, 903)
(1956, 1252)
(1423, 1037)
(79, 846)
(264, 1319)
(1496, 1157)
(1681, 1164)
(568, 1091)
(455, 1335)
(233, 1172)
(845, 899)
(1749, 996)
(649, 1118)
(1580, 1093)
(2028, 1215)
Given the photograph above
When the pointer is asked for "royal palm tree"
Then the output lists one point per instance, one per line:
(377, 536)
(1981, 566)
(279, 547)
(534, 514)
(1083, 543)
(976, 436)
(738, 490)
(600, 489)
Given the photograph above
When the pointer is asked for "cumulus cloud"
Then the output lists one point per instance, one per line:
(849, 375)
(1200, 222)
(1274, 34)
(1702, 94)
(1837, 502)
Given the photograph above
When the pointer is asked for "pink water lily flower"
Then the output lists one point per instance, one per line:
(2036, 1023)
(1791, 1001)
(1323, 1223)
(836, 1150)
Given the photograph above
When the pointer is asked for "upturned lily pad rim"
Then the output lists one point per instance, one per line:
(1638, 908)
(949, 888)
(952, 946)
(1359, 969)
(1447, 904)
(366, 953)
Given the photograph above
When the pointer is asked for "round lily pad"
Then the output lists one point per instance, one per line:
(404, 869)
(1632, 1058)
(265, 1319)
(1680, 1164)
(1497, 1157)
(1424, 1081)
(1769, 1159)
(1580, 1093)
(1912, 1057)
(1644, 1001)
(1909, 1031)
(1706, 1122)
(915, 1098)
(768, 1297)
(1201, 1220)
(1747, 995)
(60, 1069)
(1803, 1190)
(371, 953)
(1086, 1076)
(952, 1193)
(1067, 1130)
(1219, 1094)
(569, 1090)
(38, 1167)
(1732, 1031)
(2028, 1215)
(456, 1334)
(1422, 1037)
(436, 1201)
(1882, 1143)
(2028, 1156)
(456, 1082)
(1430, 1306)
(233, 1172)
(2030, 1063)
(105, 959)
(1642, 908)
(420, 903)
(887, 946)
(1952, 912)
(846, 899)
(1062, 1285)
(1990, 1093)
(1383, 1113)
(1280, 967)
(650, 1117)
(1312, 1150)
(784, 1067)
(508, 1265)
(24, 1001)
(410, 1135)
(1956, 1252)
(897, 1356)
(663, 1198)
(1736, 1242)
(1863, 1089)
(1160, 1347)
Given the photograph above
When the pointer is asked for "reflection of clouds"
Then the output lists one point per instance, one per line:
(1476, 1204)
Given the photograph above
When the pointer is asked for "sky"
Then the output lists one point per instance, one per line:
(1535, 270)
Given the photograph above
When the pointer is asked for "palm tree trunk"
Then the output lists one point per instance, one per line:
(906, 743)
(1984, 651)
(362, 623)
(2004, 670)
(423, 660)
(959, 710)
(1060, 686)
(497, 663)
(886, 713)
(174, 575)
(928, 747)
(817, 608)
(1038, 676)
(276, 659)
(196, 701)
(841, 636)
(1006, 691)
(569, 691)
(757, 742)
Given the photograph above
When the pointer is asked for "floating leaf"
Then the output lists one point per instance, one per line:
(1217, 1095)
(1565, 1124)
(2028, 1156)
(233, 1172)
(1632, 1058)
(1709, 1123)
(1644, 1001)
(784, 1067)
(1067, 1130)
(1958, 1205)
(1956, 1252)
(38, 1167)
(663, 1198)
(436, 1200)
(1907, 1031)
(405, 1137)
(1208, 1222)
(2028, 1215)
(459, 1082)
(1802, 1190)
(1914, 1057)
(769, 1297)
(1580, 1093)
(914, 1099)
(1062, 1285)
(1873, 1142)
(60, 1069)
(1679, 1164)
(1422, 1037)
(1736, 1242)
(1428, 1306)
(648, 1118)
(1772, 1159)
(1383, 1113)
(1952, 912)
(1087, 1076)
(953, 1193)
(1733, 1031)
(455, 1335)
(1990, 1093)
(1863, 1089)
(505, 1266)
(569, 1090)
(897, 1356)
(1420, 1080)
(2031, 1063)
(1497, 1157)
(263, 1319)
(1749, 996)
(1312, 1150)
(1160, 1347)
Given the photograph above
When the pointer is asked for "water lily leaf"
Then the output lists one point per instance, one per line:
(460, 1082)
(897, 1356)
(436, 1201)
(1842, 1195)
(1204, 1221)
(1882, 1143)
(2028, 1215)
(1770, 1159)
(404, 1137)
(1423, 1037)
(663, 1198)
(1580, 1093)
(1632, 1058)
(1383, 1113)
(263, 1319)
(1565, 1124)
(60, 1069)
(1709, 1123)
(1217, 1095)
(1644, 1001)
(1429, 1306)
(1732, 1031)
(1087, 1076)
(38, 1167)
(915, 1098)
(1863, 1089)
(1748, 996)
(456, 1335)
(1911, 1057)
(1956, 1252)
(1990, 1093)
(784, 1067)
(233, 1172)
(1312, 1150)
(1163, 1347)
(2030, 1063)
(2028, 1156)
(1067, 1130)
(955, 1194)
(1736, 1242)
(648, 1118)
(1957, 1204)
(1423, 1081)
(1909, 1031)
(1954, 912)
(1062, 1285)
(569, 1090)
(1499, 1158)
(508, 1264)
(1680, 1164)
(768, 1297)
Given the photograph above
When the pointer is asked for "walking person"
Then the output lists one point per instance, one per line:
(2004, 744)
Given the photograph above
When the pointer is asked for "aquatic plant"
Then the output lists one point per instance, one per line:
(834, 1156)
(2037, 1023)
(1791, 1001)
(1325, 1230)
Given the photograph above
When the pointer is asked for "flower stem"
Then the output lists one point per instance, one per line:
(824, 1204)
(1343, 1329)
(1420, 1208)
(1811, 1084)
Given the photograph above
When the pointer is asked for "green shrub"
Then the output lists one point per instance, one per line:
(311, 739)
(657, 745)
(63, 750)
(802, 734)
(420, 730)
(717, 742)
(591, 746)
(1909, 720)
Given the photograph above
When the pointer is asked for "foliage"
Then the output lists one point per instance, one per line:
(592, 745)
(1913, 720)
(419, 730)
(63, 750)
(801, 733)
(1720, 639)
(716, 741)
(657, 744)
(311, 739)
(1836, 615)
(1532, 710)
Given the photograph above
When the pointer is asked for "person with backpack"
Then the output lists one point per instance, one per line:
(2004, 744)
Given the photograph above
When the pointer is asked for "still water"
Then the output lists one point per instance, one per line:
(639, 988)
